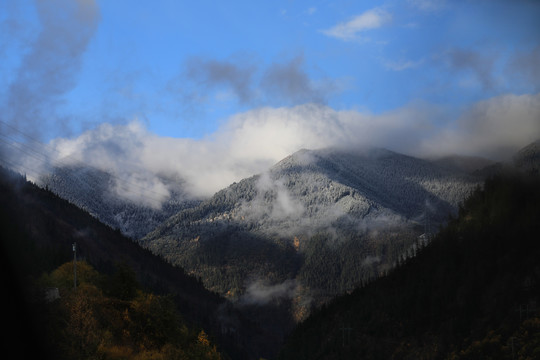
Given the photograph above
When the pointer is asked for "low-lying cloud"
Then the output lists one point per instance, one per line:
(259, 293)
(251, 142)
(370, 260)
(493, 128)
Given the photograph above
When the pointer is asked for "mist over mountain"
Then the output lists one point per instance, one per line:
(528, 158)
(469, 164)
(123, 204)
(472, 293)
(279, 244)
(355, 212)
(181, 126)
(252, 141)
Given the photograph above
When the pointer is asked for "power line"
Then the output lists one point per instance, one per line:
(62, 159)
(15, 166)
(48, 160)
(346, 333)
(19, 147)
(75, 265)
(48, 146)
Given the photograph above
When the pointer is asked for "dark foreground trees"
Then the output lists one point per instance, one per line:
(109, 317)
(472, 293)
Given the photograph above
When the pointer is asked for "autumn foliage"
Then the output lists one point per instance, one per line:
(110, 317)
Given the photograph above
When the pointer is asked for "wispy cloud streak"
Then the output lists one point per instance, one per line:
(49, 68)
(368, 20)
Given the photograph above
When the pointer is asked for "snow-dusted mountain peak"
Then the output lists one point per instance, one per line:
(356, 202)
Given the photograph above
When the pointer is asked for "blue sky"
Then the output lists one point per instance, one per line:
(196, 70)
(184, 67)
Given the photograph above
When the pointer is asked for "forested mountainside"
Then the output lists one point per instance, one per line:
(471, 293)
(317, 224)
(468, 164)
(124, 204)
(528, 158)
(38, 230)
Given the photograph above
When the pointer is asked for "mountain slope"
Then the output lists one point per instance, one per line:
(528, 158)
(471, 293)
(38, 230)
(125, 204)
(468, 164)
(360, 209)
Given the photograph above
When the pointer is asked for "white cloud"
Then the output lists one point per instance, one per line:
(48, 69)
(251, 142)
(285, 205)
(371, 19)
(494, 128)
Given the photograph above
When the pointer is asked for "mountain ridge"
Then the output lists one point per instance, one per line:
(317, 224)
(101, 194)
(330, 194)
(528, 158)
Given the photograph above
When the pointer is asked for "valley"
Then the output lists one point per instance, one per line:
(362, 210)
(471, 293)
(282, 243)
(278, 246)
(270, 180)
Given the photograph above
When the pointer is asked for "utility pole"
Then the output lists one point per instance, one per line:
(346, 332)
(75, 265)
(512, 338)
(427, 224)
(524, 310)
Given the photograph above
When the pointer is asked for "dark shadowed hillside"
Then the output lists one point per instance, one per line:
(472, 293)
(528, 158)
(38, 230)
